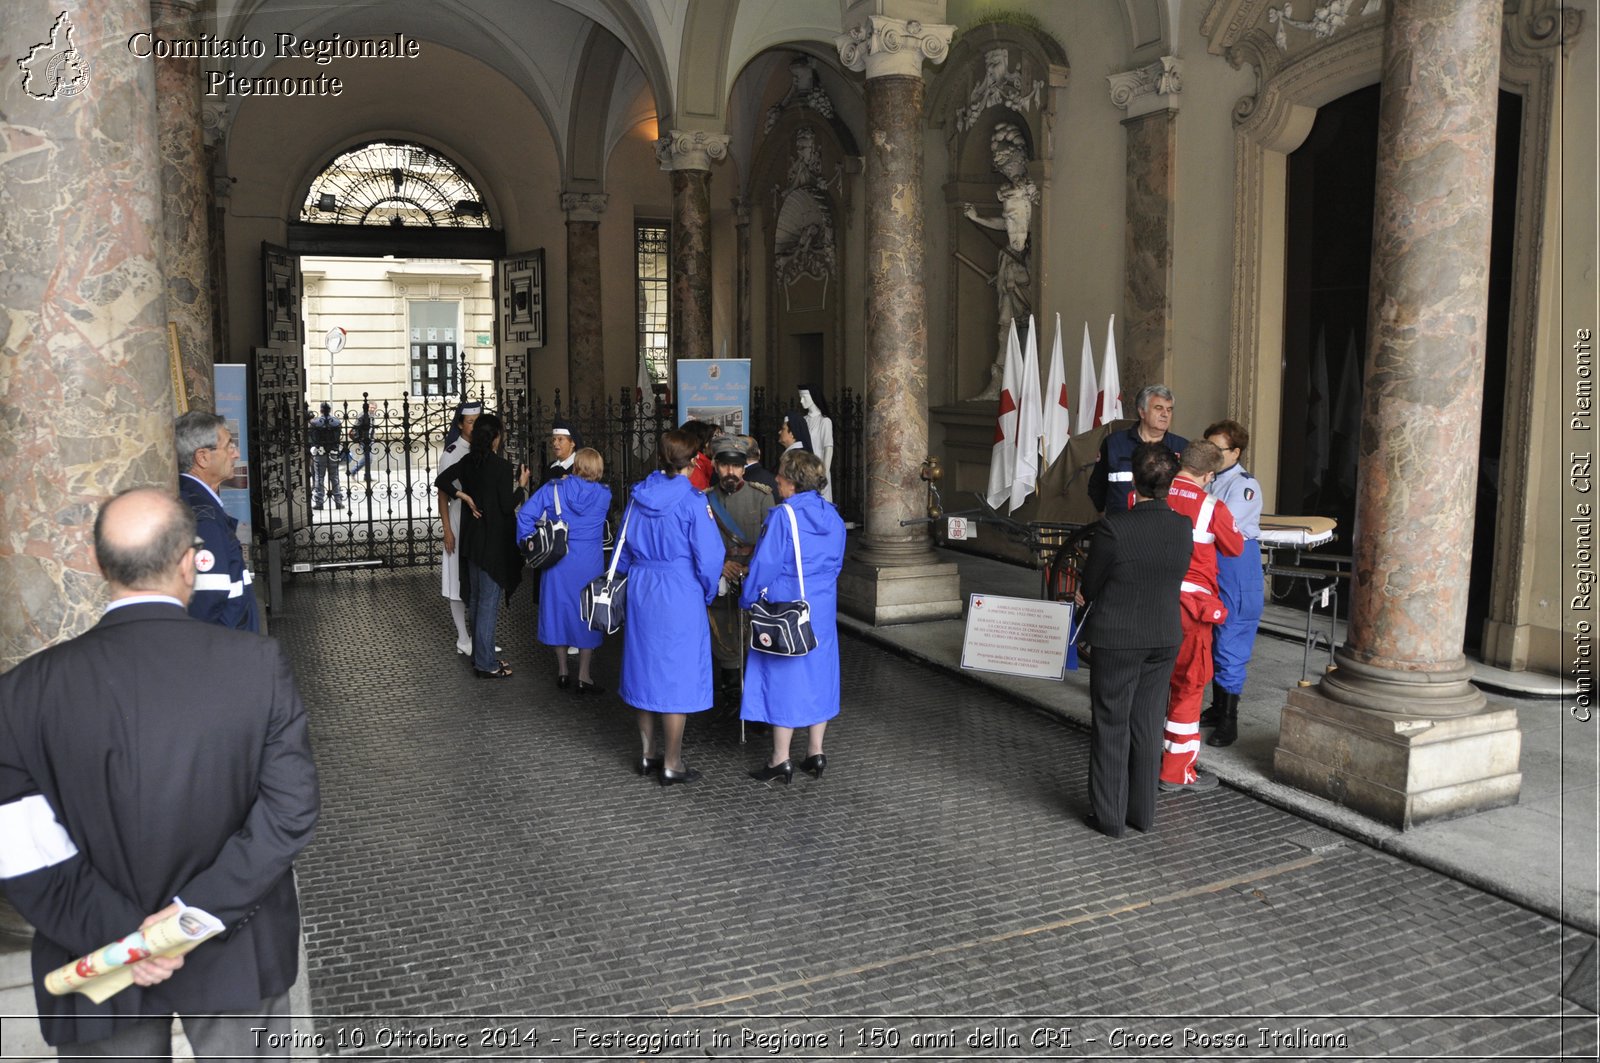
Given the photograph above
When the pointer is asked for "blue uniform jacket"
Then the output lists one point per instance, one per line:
(672, 553)
(223, 593)
(797, 691)
(1111, 482)
(583, 506)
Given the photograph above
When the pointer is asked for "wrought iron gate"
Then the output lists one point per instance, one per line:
(385, 511)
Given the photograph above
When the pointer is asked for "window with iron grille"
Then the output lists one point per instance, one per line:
(652, 276)
(395, 184)
(435, 343)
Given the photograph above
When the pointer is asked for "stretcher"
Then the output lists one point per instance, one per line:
(1289, 547)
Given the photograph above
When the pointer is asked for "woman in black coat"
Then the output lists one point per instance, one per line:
(491, 566)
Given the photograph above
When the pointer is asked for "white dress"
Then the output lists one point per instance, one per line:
(821, 429)
(450, 561)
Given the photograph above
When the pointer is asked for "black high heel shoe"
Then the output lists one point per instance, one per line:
(668, 776)
(814, 765)
(590, 688)
(784, 771)
(562, 682)
(647, 765)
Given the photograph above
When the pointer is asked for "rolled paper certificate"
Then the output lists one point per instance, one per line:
(104, 973)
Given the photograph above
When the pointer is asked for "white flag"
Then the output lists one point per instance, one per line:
(645, 390)
(1088, 390)
(1030, 422)
(1110, 406)
(1057, 429)
(1003, 458)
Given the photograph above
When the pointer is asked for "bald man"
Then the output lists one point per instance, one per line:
(157, 760)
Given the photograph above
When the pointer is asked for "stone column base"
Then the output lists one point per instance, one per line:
(900, 594)
(1403, 771)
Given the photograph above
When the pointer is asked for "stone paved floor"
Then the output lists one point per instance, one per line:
(485, 851)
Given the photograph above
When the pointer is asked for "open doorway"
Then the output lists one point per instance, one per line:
(1329, 211)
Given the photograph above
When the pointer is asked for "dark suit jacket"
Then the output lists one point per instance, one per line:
(1135, 568)
(175, 754)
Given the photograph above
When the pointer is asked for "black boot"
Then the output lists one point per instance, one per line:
(1228, 729)
(1213, 716)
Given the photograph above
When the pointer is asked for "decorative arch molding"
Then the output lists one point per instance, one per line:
(1296, 74)
(703, 65)
(587, 147)
(1152, 26)
(958, 104)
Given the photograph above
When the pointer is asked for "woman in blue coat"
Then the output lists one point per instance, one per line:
(584, 502)
(791, 692)
(672, 553)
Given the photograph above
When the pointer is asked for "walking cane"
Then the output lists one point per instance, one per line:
(744, 650)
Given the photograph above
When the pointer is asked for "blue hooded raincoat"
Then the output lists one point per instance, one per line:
(583, 506)
(797, 691)
(673, 554)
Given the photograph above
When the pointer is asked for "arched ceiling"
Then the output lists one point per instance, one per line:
(538, 45)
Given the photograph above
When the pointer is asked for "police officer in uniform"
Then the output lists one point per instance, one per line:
(1239, 582)
(1111, 482)
(223, 590)
(326, 430)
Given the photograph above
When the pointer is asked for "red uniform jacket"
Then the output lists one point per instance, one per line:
(1219, 532)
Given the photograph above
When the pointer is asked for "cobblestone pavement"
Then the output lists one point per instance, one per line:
(488, 866)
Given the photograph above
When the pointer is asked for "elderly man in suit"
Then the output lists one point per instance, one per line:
(153, 761)
(1131, 584)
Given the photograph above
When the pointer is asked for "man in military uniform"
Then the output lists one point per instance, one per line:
(326, 430)
(1239, 582)
(1111, 482)
(740, 506)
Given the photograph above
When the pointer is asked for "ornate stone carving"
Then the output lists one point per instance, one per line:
(1001, 87)
(804, 91)
(213, 121)
(684, 149)
(1327, 18)
(583, 206)
(1148, 88)
(803, 243)
(884, 47)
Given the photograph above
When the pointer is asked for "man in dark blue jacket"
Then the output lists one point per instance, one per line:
(223, 591)
(1111, 482)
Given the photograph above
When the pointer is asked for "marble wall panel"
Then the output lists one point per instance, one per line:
(586, 368)
(1147, 298)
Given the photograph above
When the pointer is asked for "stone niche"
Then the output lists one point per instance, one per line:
(799, 201)
(994, 97)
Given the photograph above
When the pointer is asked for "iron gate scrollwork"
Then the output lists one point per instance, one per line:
(385, 512)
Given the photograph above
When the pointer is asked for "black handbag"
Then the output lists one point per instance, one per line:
(547, 543)
(784, 628)
(605, 599)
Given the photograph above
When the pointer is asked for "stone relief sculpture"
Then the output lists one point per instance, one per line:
(1012, 275)
(804, 91)
(1327, 18)
(803, 244)
(1001, 87)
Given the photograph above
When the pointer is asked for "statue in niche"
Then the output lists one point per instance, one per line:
(1001, 87)
(1012, 275)
(803, 92)
(803, 244)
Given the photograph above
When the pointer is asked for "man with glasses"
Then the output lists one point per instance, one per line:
(223, 591)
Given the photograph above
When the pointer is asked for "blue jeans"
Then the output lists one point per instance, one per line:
(363, 462)
(483, 606)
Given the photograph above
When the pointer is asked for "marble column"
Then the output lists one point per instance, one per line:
(586, 363)
(894, 576)
(741, 279)
(185, 200)
(1150, 96)
(688, 155)
(87, 396)
(1397, 729)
